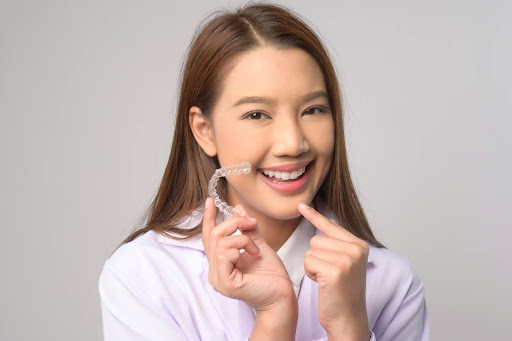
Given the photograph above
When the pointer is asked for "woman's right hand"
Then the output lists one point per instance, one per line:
(257, 276)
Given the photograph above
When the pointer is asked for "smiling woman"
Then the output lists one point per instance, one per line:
(287, 83)
(258, 86)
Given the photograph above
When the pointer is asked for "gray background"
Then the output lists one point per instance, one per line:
(87, 95)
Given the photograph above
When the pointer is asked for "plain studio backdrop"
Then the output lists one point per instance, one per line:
(88, 92)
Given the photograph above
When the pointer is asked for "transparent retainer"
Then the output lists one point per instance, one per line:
(241, 168)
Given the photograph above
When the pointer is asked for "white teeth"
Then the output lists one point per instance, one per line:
(293, 175)
(285, 175)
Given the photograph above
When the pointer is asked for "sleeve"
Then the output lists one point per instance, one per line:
(410, 322)
(129, 313)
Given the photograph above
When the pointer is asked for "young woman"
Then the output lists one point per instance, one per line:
(301, 263)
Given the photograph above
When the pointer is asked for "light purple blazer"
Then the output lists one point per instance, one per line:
(156, 288)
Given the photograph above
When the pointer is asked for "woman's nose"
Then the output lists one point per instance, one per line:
(289, 139)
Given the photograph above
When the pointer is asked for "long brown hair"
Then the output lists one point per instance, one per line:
(213, 50)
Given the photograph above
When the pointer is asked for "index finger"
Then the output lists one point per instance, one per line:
(327, 226)
(209, 220)
(212, 232)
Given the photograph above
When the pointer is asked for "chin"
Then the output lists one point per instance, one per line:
(287, 213)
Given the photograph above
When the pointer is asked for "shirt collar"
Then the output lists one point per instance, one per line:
(293, 251)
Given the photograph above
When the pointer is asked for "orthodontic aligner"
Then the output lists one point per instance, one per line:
(241, 168)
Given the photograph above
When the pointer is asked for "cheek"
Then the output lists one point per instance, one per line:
(327, 143)
(322, 138)
(236, 145)
(226, 136)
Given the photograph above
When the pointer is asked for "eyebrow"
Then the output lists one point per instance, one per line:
(265, 100)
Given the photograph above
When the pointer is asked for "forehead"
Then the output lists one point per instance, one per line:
(282, 74)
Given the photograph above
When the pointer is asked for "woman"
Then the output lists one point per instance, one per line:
(258, 86)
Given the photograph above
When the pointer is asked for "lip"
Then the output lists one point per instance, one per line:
(288, 168)
(291, 187)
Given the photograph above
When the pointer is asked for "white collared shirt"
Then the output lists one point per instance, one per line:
(156, 288)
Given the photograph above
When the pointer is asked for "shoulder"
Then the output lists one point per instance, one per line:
(395, 298)
(392, 271)
(391, 281)
(389, 260)
(152, 262)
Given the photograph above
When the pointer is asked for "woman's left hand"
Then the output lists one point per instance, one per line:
(337, 262)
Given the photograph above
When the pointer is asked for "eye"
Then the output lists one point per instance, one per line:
(254, 116)
(257, 115)
(319, 108)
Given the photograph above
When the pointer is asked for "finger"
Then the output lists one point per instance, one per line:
(238, 242)
(241, 209)
(327, 255)
(317, 267)
(340, 259)
(209, 221)
(332, 244)
(254, 233)
(226, 261)
(227, 228)
(327, 226)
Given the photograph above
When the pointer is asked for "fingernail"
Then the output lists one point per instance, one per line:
(303, 206)
(206, 203)
(238, 208)
(238, 211)
(243, 212)
(250, 218)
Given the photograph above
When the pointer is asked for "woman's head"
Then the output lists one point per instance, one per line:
(272, 100)
(265, 51)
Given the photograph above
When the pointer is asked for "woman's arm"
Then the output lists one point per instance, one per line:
(278, 323)
(405, 316)
(410, 321)
(130, 314)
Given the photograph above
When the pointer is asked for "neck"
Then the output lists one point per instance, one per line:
(275, 232)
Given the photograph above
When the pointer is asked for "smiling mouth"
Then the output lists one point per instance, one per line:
(281, 181)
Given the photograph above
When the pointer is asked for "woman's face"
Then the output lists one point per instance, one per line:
(293, 105)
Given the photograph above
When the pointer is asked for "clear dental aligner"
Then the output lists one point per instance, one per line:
(241, 168)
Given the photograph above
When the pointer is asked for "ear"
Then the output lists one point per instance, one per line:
(202, 130)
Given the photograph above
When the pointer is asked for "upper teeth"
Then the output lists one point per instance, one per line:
(285, 175)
